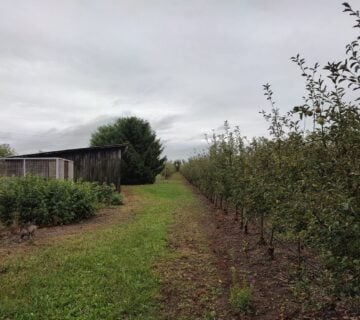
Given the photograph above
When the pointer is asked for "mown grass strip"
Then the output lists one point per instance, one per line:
(105, 274)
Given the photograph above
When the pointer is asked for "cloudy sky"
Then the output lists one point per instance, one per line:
(68, 66)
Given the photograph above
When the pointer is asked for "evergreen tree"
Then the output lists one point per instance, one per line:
(142, 161)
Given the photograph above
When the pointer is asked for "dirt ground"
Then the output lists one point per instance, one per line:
(209, 244)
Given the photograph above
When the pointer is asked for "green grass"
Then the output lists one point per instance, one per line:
(105, 274)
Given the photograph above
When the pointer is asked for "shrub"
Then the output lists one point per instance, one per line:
(104, 192)
(240, 299)
(50, 202)
(116, 199)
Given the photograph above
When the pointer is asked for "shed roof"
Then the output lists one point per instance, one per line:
(121, 147)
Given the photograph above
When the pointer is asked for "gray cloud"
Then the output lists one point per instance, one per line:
(57, 139)
(186, 66)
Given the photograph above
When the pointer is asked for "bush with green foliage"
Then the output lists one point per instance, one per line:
(303, 183)
(6, 150)
(142, 161)
(116, 199)
(32, 199)
(106, 194)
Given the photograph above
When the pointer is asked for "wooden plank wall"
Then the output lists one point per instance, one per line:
(101, 165)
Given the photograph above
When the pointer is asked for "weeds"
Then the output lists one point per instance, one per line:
(240, 296)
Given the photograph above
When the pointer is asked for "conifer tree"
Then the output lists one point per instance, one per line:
(142, 161)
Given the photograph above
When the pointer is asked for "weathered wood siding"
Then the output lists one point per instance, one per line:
(101, 164)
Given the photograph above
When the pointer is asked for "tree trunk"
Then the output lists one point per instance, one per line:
(271, 247)
(236, 212)
(242, 214)
(299, 253)
(226, 207)
(262, 239)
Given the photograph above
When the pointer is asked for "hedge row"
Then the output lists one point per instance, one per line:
(32, 199)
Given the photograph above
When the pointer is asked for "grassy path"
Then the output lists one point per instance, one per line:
(191, 286)
(104, 274)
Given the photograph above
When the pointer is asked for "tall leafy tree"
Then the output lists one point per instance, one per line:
(142, 161)
(6, 150)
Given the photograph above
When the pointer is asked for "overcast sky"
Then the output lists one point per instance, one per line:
(68, 66)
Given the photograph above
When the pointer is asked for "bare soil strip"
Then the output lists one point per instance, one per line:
(207, 244)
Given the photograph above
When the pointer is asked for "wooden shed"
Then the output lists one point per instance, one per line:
(101, 163)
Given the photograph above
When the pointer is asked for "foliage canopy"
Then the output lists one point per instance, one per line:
(6, 150)
(32, 199)
(142, 161)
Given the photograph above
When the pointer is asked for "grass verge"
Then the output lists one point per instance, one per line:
(190, 282)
